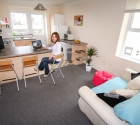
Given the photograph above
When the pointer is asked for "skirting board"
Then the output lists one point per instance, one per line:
(97, 67)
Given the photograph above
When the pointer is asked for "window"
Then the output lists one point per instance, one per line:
(27, 23)
(19, 23)
(131, 44)
(129, 41)
(37, 24)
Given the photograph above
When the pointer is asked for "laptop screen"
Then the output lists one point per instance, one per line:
(37, 44)
(1, 43)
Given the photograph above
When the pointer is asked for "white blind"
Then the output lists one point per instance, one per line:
(132, 5)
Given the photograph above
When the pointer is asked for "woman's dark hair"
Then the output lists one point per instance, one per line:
(57, 36)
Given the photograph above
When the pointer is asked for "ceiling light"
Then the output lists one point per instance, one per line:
(40, 7)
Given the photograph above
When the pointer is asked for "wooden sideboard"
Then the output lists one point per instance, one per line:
(75, 55)
(81, 47)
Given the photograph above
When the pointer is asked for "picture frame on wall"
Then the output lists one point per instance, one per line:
(78, 20)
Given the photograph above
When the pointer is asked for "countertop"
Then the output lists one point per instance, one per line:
(71, 42)
(11, 51)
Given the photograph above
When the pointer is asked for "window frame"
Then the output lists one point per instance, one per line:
(12, 21)
(29, 21)
(43, 19)
(129, 29)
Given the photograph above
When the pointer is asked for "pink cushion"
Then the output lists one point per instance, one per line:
(101, 77)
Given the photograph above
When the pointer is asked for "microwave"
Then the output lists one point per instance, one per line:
(69, 36)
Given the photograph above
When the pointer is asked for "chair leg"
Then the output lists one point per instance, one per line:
(53, 78)
(24, 77)
(22, 74)
(61, 72)
(39, 76)
(16, 78)
(0, 88)
(52, 68)
(47, 76)
(17, 83)
(51, 75)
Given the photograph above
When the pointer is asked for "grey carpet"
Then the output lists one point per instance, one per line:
(46, 104)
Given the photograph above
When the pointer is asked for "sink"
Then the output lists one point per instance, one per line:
(26, 38)
(16, 38)
(23, 38)
(29, 38)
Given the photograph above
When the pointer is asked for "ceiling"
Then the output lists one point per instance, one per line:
(46, 2)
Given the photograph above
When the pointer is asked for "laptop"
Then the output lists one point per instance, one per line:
(37, 44)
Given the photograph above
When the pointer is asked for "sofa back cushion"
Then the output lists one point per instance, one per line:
(134, 84)
(129, 110)
(115, 83)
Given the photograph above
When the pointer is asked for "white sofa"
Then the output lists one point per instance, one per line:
(99, 112)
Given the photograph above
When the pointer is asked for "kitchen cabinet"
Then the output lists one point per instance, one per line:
(23, 42)
(19, 43)
(78, 54)
(57, 25)
(57, 19)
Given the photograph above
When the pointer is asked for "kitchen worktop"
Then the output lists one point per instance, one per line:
(11, 51)
(71, 42)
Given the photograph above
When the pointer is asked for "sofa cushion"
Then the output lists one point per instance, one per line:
(134, 84)
(127, 93)
(115, 83)
(129, 110)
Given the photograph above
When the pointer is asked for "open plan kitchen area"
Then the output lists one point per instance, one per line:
(38, 53)
(22, 28)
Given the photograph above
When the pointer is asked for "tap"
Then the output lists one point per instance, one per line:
(22, 36)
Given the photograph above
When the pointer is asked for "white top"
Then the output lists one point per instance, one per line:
(56, 49)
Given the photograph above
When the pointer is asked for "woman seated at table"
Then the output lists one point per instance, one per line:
(56, 49)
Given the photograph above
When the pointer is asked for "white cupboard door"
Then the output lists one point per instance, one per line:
(62, 30)
(58, 19)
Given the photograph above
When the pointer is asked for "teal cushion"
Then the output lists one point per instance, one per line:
(115, 83)
(129, 110)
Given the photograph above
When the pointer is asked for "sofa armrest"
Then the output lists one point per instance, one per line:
(102, 109)
(127, 74)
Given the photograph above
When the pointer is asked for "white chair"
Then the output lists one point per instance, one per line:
(7, 65)
(56, 66)
(29, 62)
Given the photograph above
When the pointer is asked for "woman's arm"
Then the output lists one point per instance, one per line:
(50, 57)
(43, 47)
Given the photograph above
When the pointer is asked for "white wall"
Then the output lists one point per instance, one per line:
(101, 28)
(6, 7)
